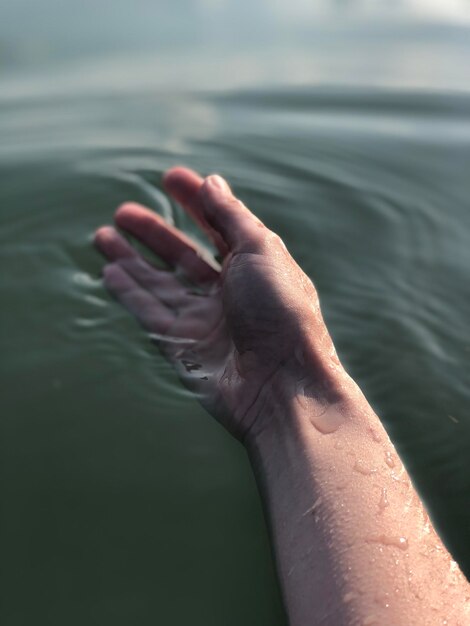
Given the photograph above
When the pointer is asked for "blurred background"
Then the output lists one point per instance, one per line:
(345, 125)
(122, 45)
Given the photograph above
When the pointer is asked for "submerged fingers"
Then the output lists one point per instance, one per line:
(153, 314)
(211, 202)
(169, 243)
(160, 283)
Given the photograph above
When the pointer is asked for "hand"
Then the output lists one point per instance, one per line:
(230, 333)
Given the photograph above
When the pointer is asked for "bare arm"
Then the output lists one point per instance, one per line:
(352, 540)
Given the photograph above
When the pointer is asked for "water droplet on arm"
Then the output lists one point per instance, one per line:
(383, 502)
(375, 435)
(348, 597)
(362, 468)
(389, 460)
(389, 540)
(383, 598)
(328, 420)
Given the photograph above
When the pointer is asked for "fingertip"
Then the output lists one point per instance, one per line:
(215, 183)
(135, 217)
(172, 174)
(216, 192)
(103, 235)
(124, 210)
(112, 245)
(182, 183)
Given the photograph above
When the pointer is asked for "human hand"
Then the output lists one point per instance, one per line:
(232, 334)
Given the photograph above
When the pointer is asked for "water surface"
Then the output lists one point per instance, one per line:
(122, 501)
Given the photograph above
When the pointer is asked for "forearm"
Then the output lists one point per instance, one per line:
(352, 540)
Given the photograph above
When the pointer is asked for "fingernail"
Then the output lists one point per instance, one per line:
(218, 183)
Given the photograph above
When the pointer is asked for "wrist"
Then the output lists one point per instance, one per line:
(309, 396)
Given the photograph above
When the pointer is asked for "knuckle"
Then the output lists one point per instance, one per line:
(272, 241)
(234, 204)
(277, 241)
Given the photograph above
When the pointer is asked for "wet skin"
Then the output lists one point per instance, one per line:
(352, 540)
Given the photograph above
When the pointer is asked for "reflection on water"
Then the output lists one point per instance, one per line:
(123, 502)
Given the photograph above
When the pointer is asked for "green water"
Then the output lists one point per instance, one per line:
(122, 502)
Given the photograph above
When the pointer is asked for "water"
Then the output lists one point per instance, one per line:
(348, 132)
